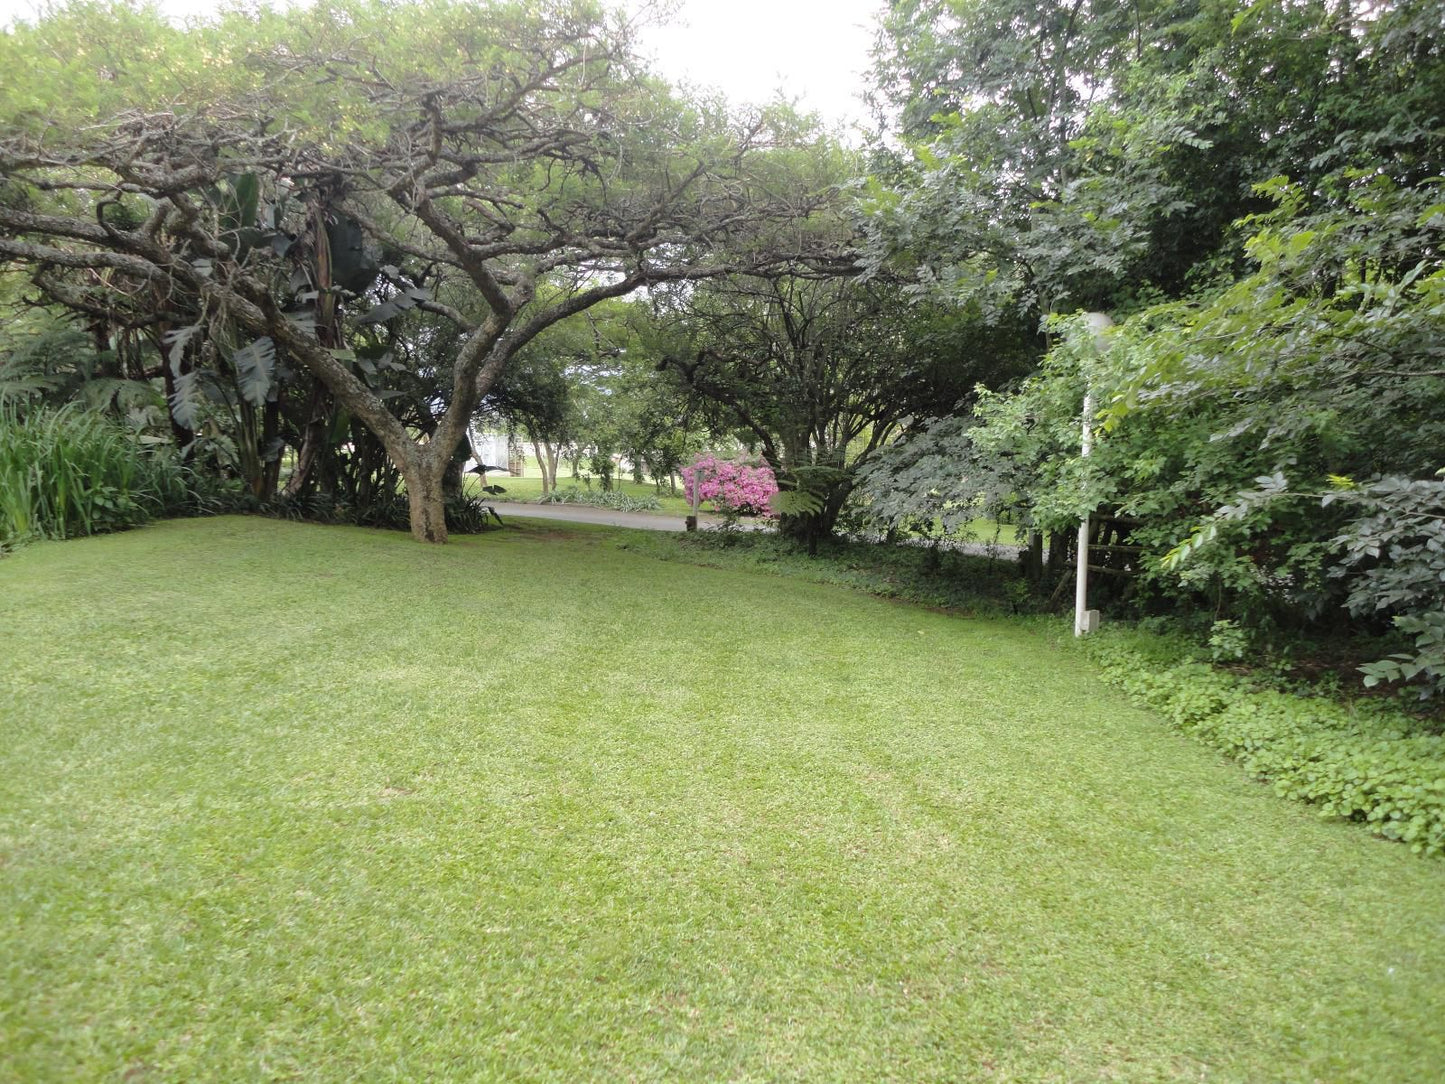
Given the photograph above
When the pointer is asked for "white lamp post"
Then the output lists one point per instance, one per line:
(1085, 619)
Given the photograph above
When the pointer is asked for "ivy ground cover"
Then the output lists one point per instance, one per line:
(283, 802)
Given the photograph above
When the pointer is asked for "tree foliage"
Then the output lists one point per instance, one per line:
(1271, 413)
(1092, 155)
(818, 374)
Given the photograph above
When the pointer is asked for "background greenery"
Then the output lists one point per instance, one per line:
(1251, 191)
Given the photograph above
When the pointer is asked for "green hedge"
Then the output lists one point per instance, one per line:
(601, 498)
(1367, 761)
(69, 472)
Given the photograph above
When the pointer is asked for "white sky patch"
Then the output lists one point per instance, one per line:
(814, 51)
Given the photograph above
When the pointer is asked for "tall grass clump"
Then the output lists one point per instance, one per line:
(70, 472)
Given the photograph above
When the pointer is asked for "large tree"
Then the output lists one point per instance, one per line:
(981, 192)
(510, 152)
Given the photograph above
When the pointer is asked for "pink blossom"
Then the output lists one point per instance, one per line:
(731, 486)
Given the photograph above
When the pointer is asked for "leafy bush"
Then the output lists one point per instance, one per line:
(390, 512)
(466, 515)
(1364, 761)
(69, 472)
(614, 499)
(1229, 430)
(732, 487)
(1395, 563)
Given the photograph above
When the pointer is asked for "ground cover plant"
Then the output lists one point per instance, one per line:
(602, 498)
(1368, 760)
(263, 816)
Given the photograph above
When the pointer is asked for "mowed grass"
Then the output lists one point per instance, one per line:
(529, 489)
(284, 802)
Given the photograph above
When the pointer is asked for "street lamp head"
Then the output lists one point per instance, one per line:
(1099, 326)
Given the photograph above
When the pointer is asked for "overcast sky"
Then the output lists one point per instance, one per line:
(812, 50)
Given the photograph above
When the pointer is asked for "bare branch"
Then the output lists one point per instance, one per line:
(31, 252)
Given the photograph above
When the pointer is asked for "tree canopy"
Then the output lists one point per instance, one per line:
(258, 187)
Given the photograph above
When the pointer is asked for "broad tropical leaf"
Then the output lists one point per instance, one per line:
(254, 367)
(187, 399)
(176, 342)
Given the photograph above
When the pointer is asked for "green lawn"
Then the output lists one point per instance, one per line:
(987, 530)
(529, 489)
(284, 802)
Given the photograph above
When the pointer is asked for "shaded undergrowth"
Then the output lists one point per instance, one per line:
(946, 579)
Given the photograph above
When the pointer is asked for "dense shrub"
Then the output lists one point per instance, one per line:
(69, 472)
(388, 512)
(732, 487)
(1366, 761)
(1394, 563)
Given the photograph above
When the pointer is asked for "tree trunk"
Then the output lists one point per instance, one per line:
(425, 501)
(452, 475)
(542, 466)
(1034, 557)
(270, 432)
(818, 526)
(313, 440)
(1060, 550)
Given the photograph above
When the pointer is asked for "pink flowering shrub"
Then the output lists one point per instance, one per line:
(731, 487)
